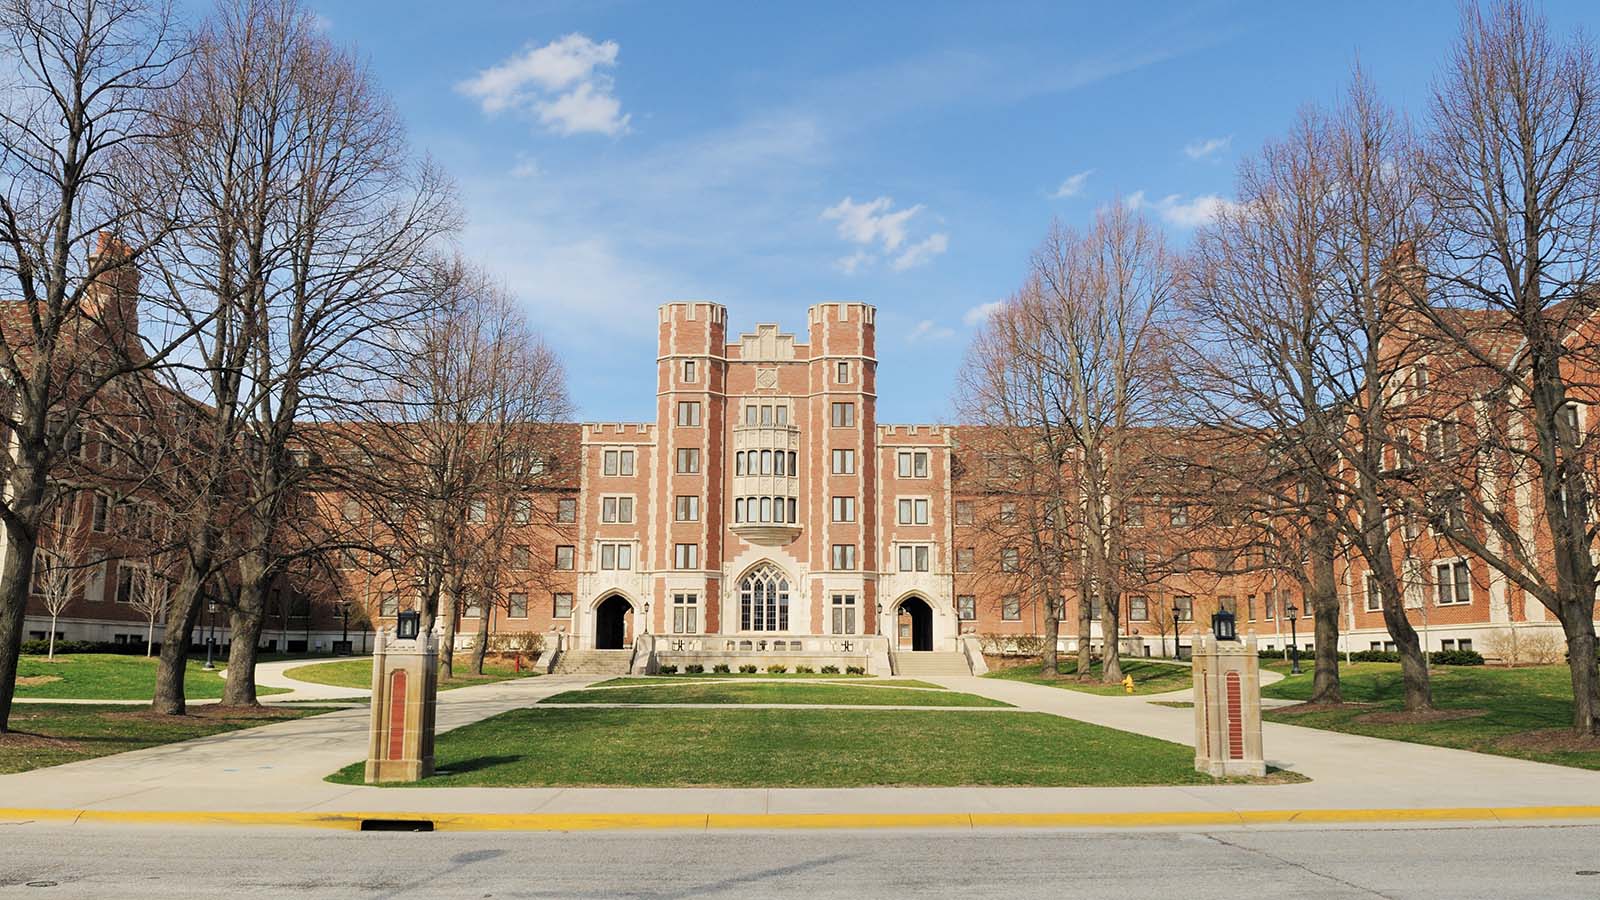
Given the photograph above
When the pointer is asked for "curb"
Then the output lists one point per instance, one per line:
(422, 821)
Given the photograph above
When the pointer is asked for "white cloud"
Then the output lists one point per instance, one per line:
(871, 222)
(1207, 147)
(922, 251)
(981, 313)
(1073, 185)
(1135, 200)
(526, 167)
(849, 264)
(1193, 213)
(561, 83)
(929, 330)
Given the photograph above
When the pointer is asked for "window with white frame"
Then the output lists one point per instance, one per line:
(844, 415)
(1569, 424)
(564, 557)
(389, 606)
(691, 371)
(841, 373)
(913, 511)
(688, 460)
(688, 508)
(1008, 512)
(615, 510)
(617, 462)
(844, 557)
(521, 511)
(914, 557)
(561, 606)
(844, 613)
(517, 606)
(844, 509)
(1010, 560)
(689, 412)
(764, 600)
(844, 462)
(686, 556)
(1185, 607)
(1011, 609)
(685, 613)
(616, 557)
(967, 608)
(912, 464)
(100, 516)
(478, 511)
(1374, 601)
(1138, 608)
(1452, 582)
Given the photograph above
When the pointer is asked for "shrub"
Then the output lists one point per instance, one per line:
(746, 669)
(1376, 656)
(40, 647)
(777, 670)
(694, 669)
(720, 668)
(854, 670)
(507, 642)
(803, 670)
(830, 670)
(1456, 658)
(667, 670)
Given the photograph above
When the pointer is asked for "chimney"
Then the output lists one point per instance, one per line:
(112, 302)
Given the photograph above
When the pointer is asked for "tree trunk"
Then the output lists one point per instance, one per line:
(246, 623)
(51, 655)
(482, 648)
(1085, 656)
(1413, 667)
(149, 637)
(447, 643)
(1324, 601)
(169, 697)
(1585, 669)
(1110, 629)
(14, 580)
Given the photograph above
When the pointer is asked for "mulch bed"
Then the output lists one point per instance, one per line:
(36, 680)
(208, 711)
(1419, 717)
(21, 740)
(1560, 740)
(1303, 708)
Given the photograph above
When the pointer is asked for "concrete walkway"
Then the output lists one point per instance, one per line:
(245, 777)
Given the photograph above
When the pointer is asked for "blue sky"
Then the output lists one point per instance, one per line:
(613, 156)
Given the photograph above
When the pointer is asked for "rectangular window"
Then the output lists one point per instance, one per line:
(478, 511)
(912, 464)
(913, 557)
(517, 606)
(130, 583)
(616, 557)
(1138, 608)
(844, 462)
(618, 462)
(1180, 516)
(614, 510)
(1008, 512)
(688, 460)
(1010, 560)
(1011, 609)
(521, 511)
(686, 556)
(561, 606)
(389, 606)
(1133, 515)
(564, 558)
(844, 509)
(1185, 608)
(844, 557)
(1374, 595)
(967, 608)
(566, 510)
(521, 557)
(966, 559)
(964, 512)
(688, 508)
(844, 613)
(102, 512)
(689, 412)
(844, 415)
(913, 512)
(841, 373)
(690, 373)
(1269, 609)
(685, 613)
(1453, 582)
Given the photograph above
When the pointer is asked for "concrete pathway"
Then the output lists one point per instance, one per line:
(280, 769)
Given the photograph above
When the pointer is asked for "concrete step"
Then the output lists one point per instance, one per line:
(909, 662)
(594, 662)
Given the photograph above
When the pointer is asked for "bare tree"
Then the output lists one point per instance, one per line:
(76, 112)
(64, 572)
(1513, 169)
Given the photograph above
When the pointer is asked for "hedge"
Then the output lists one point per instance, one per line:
(1437, 657)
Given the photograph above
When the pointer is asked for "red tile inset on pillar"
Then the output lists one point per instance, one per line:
(397, 713)
(1235, 718)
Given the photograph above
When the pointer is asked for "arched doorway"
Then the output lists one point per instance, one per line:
(611, 623)
(915, 624)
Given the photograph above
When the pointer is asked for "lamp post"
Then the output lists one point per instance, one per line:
(1290, 610)
(211, 637)
(1177, 648)
(647, 617)
(344, 626)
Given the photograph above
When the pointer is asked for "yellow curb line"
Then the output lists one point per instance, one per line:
(351, 821)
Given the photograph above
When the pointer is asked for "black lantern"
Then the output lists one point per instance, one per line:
(1294, 638)
(1222, 625)
(407, 624)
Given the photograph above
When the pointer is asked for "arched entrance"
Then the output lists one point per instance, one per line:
(915, 624)
(611, 623)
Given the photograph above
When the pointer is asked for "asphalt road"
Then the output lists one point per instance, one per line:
(136, 862)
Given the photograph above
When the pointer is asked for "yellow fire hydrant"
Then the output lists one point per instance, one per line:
(1127, 683)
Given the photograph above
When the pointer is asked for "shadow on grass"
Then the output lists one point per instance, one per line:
(475, 764)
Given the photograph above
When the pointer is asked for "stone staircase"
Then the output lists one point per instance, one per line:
(913, 663)
(593, 662)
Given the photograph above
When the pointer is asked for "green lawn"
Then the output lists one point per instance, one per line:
(795, 748)
(1148, 677)
(829, 676)
(693, 679)
(803, 694)
(49, 734)
(111, 676)
(357, 673)
(1525, 711)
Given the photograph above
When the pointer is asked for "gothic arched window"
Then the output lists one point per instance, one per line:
(764, 600)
